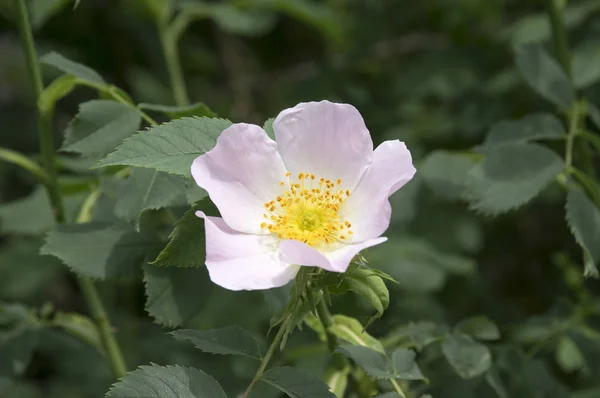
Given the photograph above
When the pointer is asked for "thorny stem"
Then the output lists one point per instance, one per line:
(46, 139)
(268, 355)
(397, 388)
(47, 153)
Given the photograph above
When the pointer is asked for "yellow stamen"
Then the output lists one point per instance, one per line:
(307, 212)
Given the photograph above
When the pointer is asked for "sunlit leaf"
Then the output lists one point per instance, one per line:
(169, 147)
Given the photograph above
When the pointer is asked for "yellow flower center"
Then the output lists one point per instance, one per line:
(308, 211)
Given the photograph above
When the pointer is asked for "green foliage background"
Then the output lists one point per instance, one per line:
(491, 292)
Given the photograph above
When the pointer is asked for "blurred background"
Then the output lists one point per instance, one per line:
(436, 74)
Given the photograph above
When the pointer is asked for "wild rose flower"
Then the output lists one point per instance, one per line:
(316, 196)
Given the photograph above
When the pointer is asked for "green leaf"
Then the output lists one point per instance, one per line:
(511, 176)
(530, 128)
(268, 127)
(72, 68)
(24, 273)
(170, 147)
(98, 250)
(161, 10)
(584, 221)
(417, 265)
(19, 336)
(493, 379)
(99, 127)
(594, 114)
(238, 21)
(351, 330)
(586, 57)
(479, 327)
(544, 74)
(166, 382)
(29, 216)
(568, 355)
(401, 366)
(445, 173)
(322, 17)
(177, 112)
(175, 296)
(59, 88)
(187, 247)
(40, 11)
(146, 189)
(79, 326)
(369, 286)
(337, 380)
(230, 340)
(467, 357)
(405, 366)
(194, 193)
(374, 363)
(419, 334)
(296, 383)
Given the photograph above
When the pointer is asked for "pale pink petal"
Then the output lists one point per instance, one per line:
(327, 139)
(296, 252)
(238, 261)
(368, 208)
(240, 174)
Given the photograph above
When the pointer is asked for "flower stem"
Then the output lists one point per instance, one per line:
(573, 127)
(559, 35)
(397, 388)
(268, 355)
(111, 346)
(22, 161)
(326, 321)
(47, 153)
(171, 53)
(45, 135)
(92, 298)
